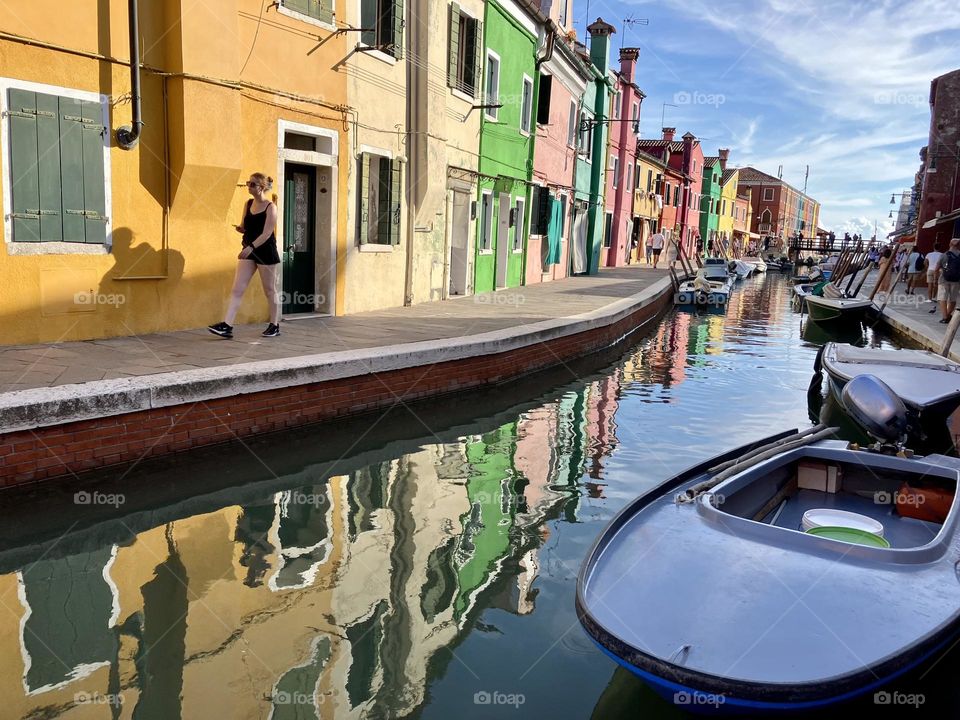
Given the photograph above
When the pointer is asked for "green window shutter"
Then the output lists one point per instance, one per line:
(363, 214)
(368, 21)
(71, 170)
(48, 165)
(398, 25)
(325, 11)
(477, 58)
(454, 46)
(396, 177)
(94, 197)
(24, 175)
(299, 6)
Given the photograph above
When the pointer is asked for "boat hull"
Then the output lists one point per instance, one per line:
(826, 310)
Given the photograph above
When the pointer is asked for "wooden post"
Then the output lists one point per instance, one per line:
(951, 334)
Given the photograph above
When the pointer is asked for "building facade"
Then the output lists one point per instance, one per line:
(780, 211)
(648, 206)
(939, 208)
(710, 203)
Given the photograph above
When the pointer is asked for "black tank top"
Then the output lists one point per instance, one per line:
(253, 225)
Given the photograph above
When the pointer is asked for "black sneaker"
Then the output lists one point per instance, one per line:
(221, 329)
(271, 331)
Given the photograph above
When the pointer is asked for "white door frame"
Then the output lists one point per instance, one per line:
(503, 243)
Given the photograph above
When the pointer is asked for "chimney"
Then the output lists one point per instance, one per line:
(628, 63)
(724, 154)
(688, 139)
(600, 33)
(668, 134)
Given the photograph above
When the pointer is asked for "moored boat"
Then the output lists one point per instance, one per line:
(694, 586)
(832, 309)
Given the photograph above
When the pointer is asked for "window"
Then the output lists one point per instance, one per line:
(539, 210)
(521, 220)
(627, 185)
(768, 194)
(378, 219)
(615, 164)
(572, 124)
(563, 215)
(56, 172)
(635, 117)
(666, 194)
(493, 86)
(463, 62)
(526, 105)
(486, 219)
(676, 197)
(607, 229)
(382, 21)
(586, 137)
(563, 12)
(649, 180)
(321, 10)
(617, 101)
(543, 99)
(723, 208)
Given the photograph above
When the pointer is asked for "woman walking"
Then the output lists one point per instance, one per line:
(259, 253)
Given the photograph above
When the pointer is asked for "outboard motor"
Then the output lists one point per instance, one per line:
(876, 408)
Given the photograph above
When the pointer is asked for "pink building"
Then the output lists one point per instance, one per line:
(624, 129)
(563, 81)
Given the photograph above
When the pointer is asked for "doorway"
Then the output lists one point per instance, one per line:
(459, 243)
(578, 260)
(503, 240)
(299, 245)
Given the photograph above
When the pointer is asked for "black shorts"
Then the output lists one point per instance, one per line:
(266, 254)
(656, 252)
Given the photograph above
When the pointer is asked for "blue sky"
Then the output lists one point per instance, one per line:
(842, 86)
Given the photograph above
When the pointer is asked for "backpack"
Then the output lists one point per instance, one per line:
(918, 263)
(951, 266)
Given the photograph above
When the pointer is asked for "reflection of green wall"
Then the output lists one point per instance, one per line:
(486, 526)
(572, 439)
(698, 344)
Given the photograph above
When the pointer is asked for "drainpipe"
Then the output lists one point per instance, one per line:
(129, 135)
(412, 147)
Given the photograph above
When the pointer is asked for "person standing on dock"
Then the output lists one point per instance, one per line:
(649, 248)
(949, 280)
(914, 270)
(932, 265)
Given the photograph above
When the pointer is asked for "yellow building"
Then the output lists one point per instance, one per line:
(647, 202)
(100, 240)
(728, 203)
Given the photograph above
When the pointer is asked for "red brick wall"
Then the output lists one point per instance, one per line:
(32, 455)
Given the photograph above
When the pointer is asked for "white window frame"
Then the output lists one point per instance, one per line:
(526, 113)
(617, 103)
(377, 247)
(465, 12)
(491, 114)
(519, 235)
(588, 156)
(283, 10)
(629, 178)
(481, 240)
(52, 248)
(378, 54)
(615, 168)
(572, 129)
(765, 191)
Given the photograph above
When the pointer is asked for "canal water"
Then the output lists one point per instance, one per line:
(417, 564)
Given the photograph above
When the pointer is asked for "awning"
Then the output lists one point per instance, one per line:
(906, 230)
(949, 217)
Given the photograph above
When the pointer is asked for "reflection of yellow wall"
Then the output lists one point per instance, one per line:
(728, 193)
(216, 136)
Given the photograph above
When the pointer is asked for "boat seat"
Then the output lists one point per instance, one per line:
(832, 291)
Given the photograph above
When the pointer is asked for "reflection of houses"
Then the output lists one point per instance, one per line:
(328, 598)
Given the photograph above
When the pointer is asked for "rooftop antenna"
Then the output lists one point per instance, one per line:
(630, 21)
(780, 172)
(805, 178)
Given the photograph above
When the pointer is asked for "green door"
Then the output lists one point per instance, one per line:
(299, 221)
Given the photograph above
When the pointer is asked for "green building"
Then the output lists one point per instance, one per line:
(507, 129)
(590, 176)
(710, 202)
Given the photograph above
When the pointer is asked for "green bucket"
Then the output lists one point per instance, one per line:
(850, 535)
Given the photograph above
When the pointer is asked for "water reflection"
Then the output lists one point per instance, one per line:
(404, 585)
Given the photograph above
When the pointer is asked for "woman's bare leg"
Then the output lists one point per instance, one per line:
(269, 276)
(245, 271)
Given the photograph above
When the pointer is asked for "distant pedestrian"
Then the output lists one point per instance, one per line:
(949, 286)
(886, 271)
(672, 252)
(932, 264)
(656, 243)
(914, 270)
(259, 253)
(650, 249)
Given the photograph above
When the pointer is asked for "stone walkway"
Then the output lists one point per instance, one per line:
(24, 367)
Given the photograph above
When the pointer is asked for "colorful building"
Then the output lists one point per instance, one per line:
(114, 233)
(780, 211)
(624, 129)
(710, 204)
(939, 207)
(682, 184)
(648, 204)
(728, 199)
(742, 216)
(506, 143)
